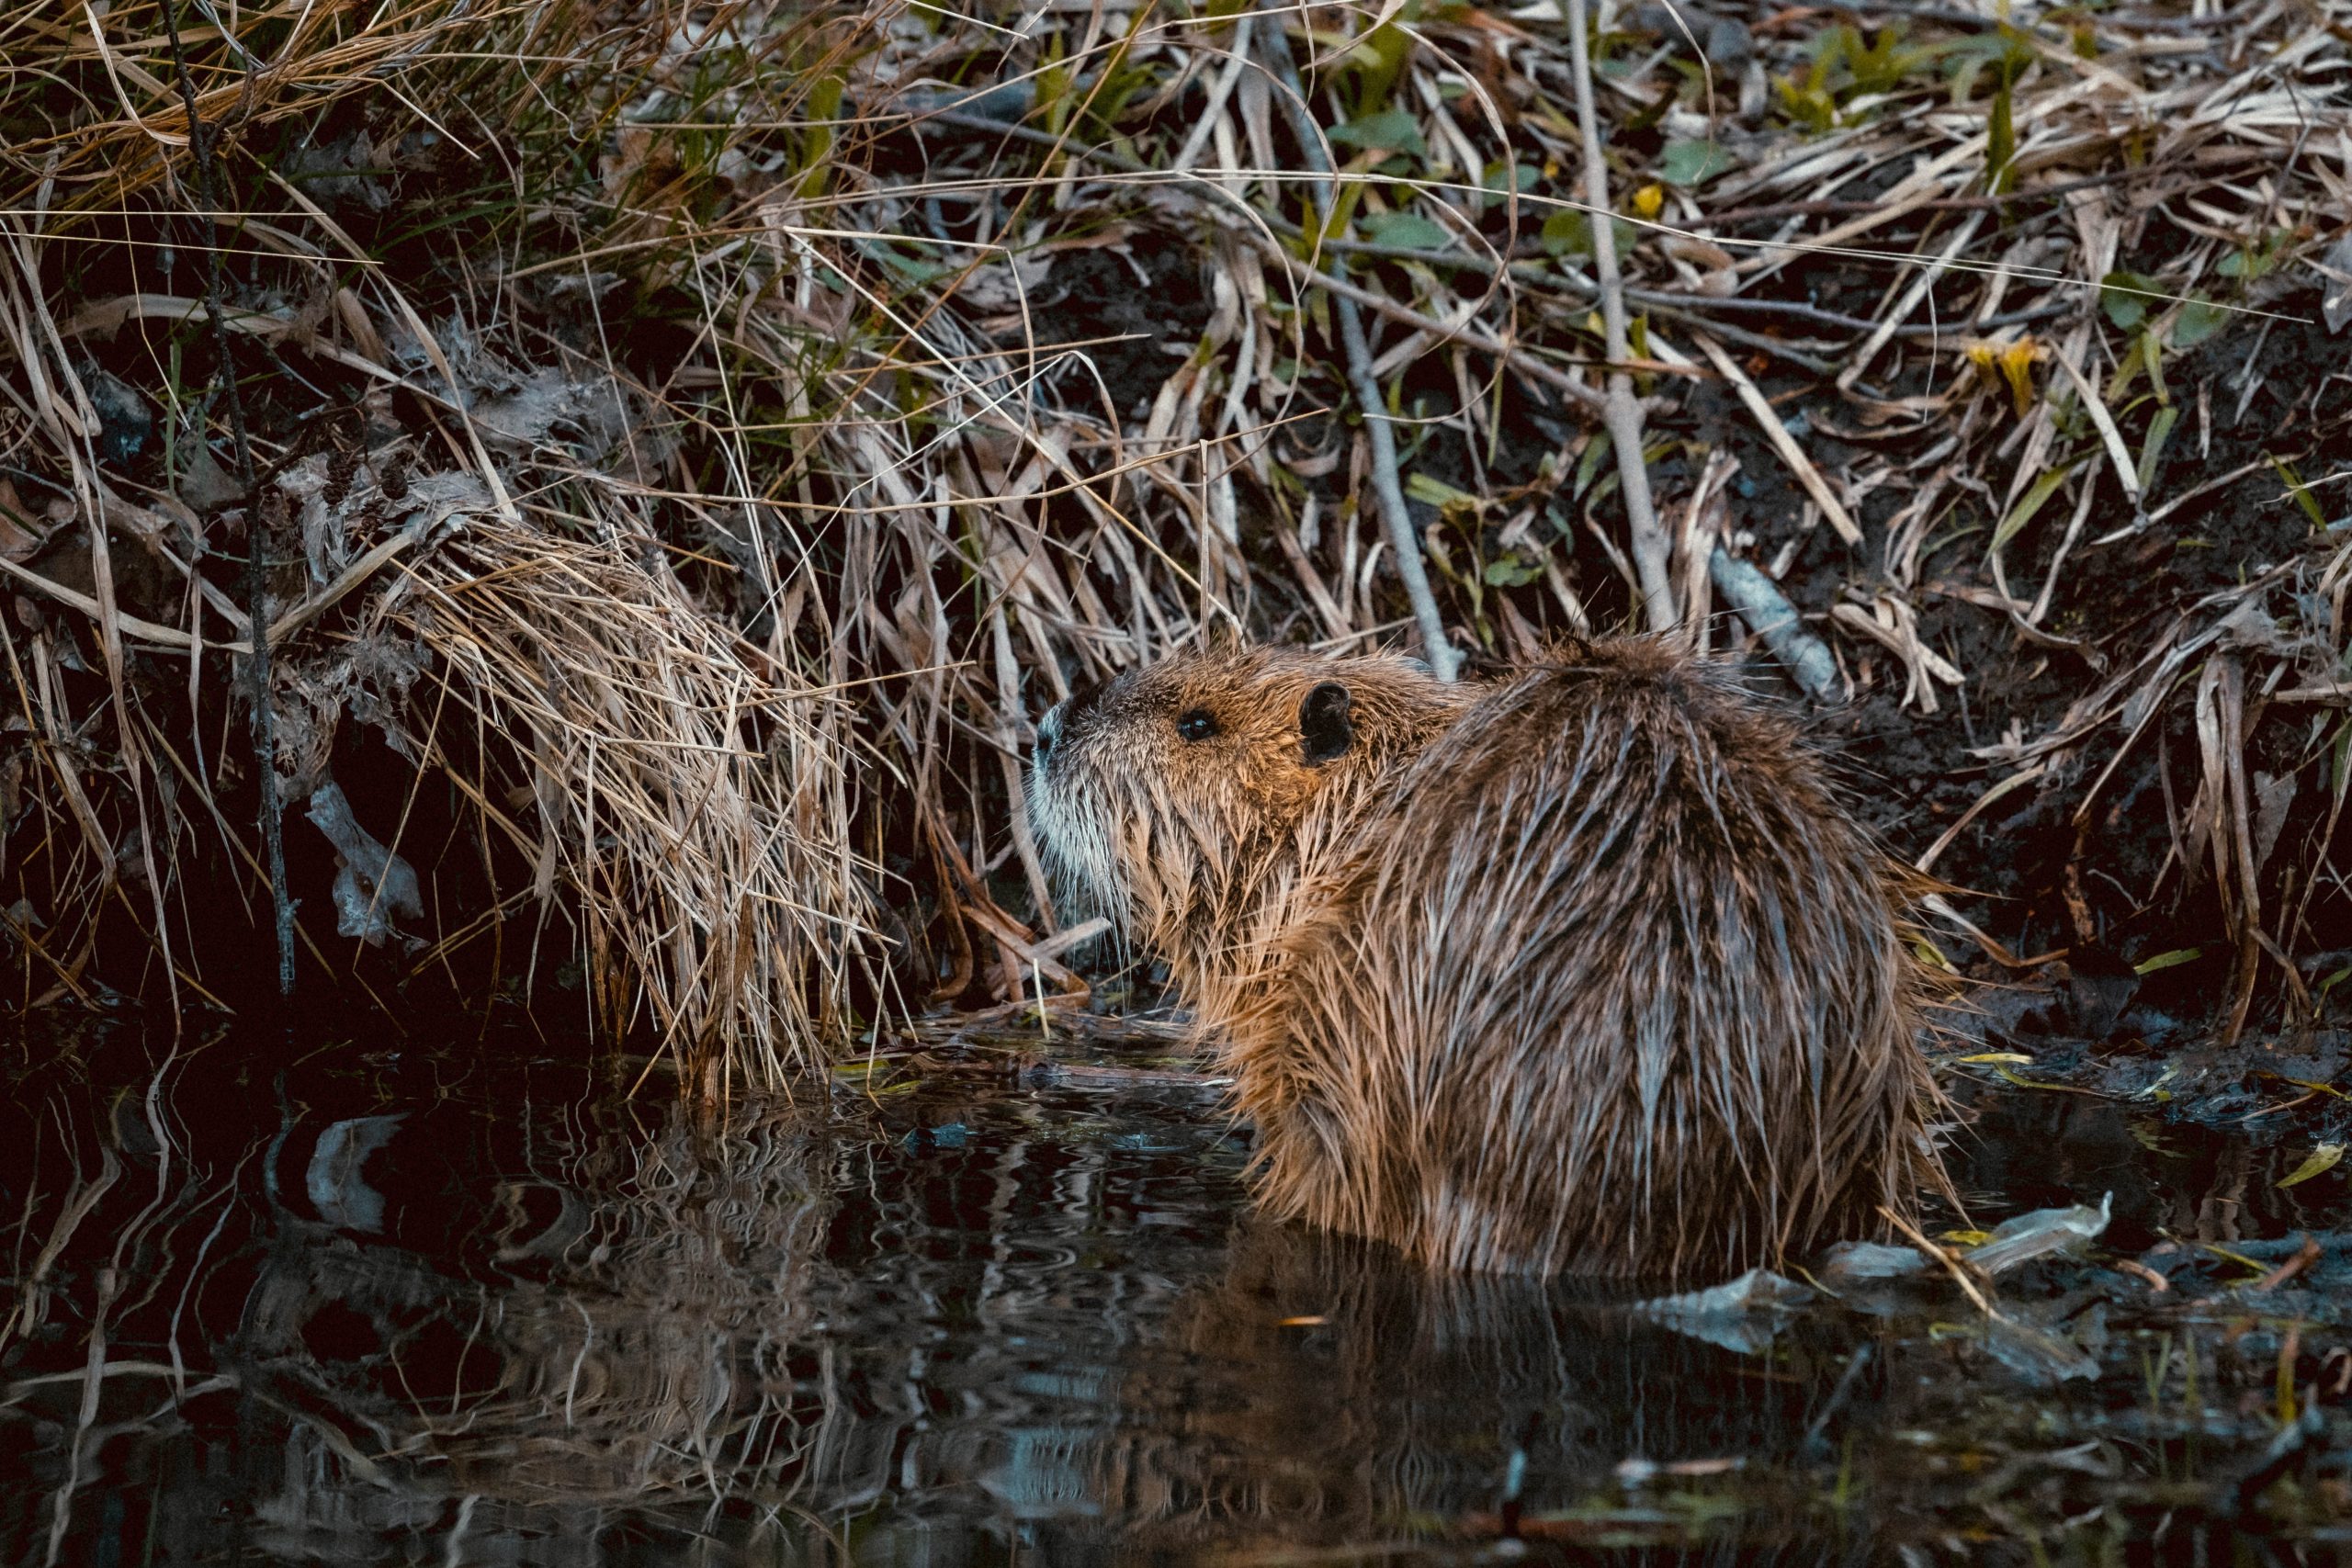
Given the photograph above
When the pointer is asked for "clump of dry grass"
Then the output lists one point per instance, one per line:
(689, 800)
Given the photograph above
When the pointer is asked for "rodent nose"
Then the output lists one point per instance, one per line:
(1049, 728)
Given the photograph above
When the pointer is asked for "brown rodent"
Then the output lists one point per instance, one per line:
(1581, 968)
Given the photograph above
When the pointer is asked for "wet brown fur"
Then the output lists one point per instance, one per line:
(1581, 969)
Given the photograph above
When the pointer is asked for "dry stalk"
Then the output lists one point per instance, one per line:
(685, 802)
(257, 540)
(1404, 539)
(1622, 413)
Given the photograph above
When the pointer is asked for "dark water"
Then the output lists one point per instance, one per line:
(478, 1305)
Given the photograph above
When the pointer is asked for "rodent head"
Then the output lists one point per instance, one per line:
(1171, 797)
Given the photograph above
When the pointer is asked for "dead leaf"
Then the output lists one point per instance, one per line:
(2337, 303)
(17, 541)
(205, 486)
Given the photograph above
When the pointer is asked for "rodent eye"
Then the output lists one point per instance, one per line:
(1196, 724)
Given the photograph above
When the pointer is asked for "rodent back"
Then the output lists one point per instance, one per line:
(1610, 982)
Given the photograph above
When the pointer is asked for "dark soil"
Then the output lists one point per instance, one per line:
(1149, 292)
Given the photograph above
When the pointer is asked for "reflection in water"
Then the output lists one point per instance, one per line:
(477, 1308)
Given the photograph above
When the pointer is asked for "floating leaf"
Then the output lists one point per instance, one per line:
(1391, 131)
(1692, 164)
(2321, 1160)
(2257, 1271)
(1408, 230)
(2013, 1076)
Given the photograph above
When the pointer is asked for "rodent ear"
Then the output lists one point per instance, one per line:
(1324, 731)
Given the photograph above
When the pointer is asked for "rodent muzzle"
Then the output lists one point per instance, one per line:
(1049, 731)
(1054, 728)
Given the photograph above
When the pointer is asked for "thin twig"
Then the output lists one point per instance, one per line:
(1344, 292)
(1622, 413)
(265, 725)
(1771, 617)
(1403, 540)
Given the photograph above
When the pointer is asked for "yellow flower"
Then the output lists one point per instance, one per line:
(2010, 362)
(1649, 199)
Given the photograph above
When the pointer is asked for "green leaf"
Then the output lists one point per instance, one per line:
(1435, 492)
(2042, 490)
(913, 271)
(2152, 450)
(2125, 297)
(2300, 492)
(2000, 142)
(1409, 230)
(1509, 572)
(1379, 59)
(1692, 164)
(2323, 1159)
(1595, 452)
(1806, 106)
(2198, 321)
(1391, 131)
(2171, 960)
(1521, 177)
(1568, 233)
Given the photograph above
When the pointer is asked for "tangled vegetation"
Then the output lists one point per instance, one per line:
(674, 451)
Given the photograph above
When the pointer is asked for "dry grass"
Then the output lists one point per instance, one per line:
(693, 809)
(882, 410)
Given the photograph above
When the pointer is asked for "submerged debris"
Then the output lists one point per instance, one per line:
(371, 884)
(2043, 1230)
(1739, 1315)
